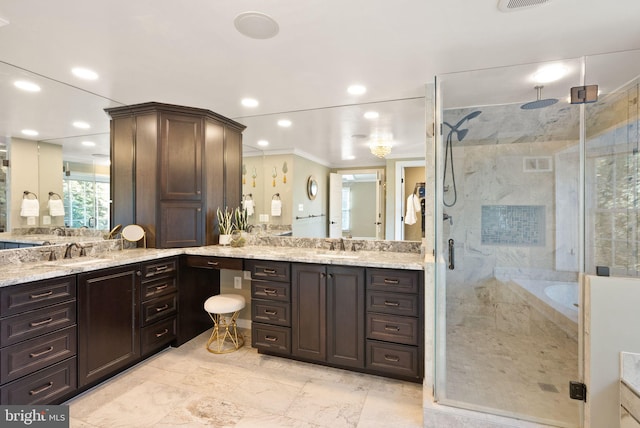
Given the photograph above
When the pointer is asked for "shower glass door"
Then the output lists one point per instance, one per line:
(509, 241)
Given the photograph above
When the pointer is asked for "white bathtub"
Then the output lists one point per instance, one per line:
(561, 297)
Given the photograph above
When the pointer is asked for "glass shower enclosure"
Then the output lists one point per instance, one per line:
(531, 192)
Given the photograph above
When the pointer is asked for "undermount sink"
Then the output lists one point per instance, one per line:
(338, 255)
(83, 261)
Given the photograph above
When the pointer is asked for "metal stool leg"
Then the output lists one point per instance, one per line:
(229, 331)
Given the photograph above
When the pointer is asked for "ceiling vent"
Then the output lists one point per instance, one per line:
(513, 5)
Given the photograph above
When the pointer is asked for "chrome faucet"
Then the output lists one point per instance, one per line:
(67, 251)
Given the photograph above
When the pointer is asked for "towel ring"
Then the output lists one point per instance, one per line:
(26, 193)
(52, 194)
(276, 197)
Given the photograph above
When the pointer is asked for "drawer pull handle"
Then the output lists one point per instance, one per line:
(392, 358)
(39, 323)
(161, 287)
(270, 312)
(213, 263)
(271, 338)
(166, 330)
(270, 291)
(391, 281)
(161, 268)
(162, 308)
(41, 295)
(392, 328)
(39, 354)
(387, 303)
(269, 271)
(41, 389)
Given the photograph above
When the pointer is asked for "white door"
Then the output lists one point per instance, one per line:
(335, 205)
(379, 206)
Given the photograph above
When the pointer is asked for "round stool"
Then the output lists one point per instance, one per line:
(225, 333)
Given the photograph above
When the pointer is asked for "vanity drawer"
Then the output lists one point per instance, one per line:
(34, 323)
(26, 297)
(394, 359)
(158, 334)
(159, 287)
(393, 303)
(271, 290)
(266, 269)
(271, 338)
(208, 262)
(160, 267)
(27, 357)
(401, 281)
(160, 307)
(269, 312)
(392, 328)
(42, 387)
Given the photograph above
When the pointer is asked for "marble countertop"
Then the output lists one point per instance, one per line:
(16, 273)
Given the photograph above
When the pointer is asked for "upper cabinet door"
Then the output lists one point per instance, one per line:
(181, 157)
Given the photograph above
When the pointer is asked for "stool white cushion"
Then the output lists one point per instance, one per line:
(224, 303)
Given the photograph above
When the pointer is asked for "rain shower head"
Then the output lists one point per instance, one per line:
(539, 103)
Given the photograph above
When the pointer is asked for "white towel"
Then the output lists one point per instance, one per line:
(30, 208)
(249, 205)
(276, 208)
(56, 208)
(413, 206)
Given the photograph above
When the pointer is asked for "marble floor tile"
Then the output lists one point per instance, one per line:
(190, 387)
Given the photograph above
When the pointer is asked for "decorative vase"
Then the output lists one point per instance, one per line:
(225, 239)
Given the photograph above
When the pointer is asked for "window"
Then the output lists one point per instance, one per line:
(86, 201)
(346, 209)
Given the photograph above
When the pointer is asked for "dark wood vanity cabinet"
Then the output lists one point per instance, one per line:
(108, 312)
(328, 314)
(125, 313)
(395, 323)
(38, 343)
(171, 168)
(270, 306)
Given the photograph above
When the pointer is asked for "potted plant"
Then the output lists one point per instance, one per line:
(241, 221)
(225, 223)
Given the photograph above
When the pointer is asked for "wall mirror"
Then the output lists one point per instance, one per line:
(312, 187)
(318, 142)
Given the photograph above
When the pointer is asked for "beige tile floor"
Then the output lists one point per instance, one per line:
(190, 387)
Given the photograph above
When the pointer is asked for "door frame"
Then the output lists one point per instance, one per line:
(399, 206)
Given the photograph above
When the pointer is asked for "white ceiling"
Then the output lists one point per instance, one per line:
(190, 53)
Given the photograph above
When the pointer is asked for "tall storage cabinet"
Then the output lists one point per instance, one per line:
(171, 167)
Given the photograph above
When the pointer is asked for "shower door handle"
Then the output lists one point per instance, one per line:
(451, 254)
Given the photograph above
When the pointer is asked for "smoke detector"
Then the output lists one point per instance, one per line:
(256, 25)
(513, 5)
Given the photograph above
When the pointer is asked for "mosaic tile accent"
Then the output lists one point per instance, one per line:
(515, 225)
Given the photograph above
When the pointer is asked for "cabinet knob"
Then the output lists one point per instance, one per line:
(138, 273)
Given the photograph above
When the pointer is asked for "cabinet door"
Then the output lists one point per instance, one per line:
(181, 225)
(345, 316)
(181, 157)
(308, 326)
(108, 338)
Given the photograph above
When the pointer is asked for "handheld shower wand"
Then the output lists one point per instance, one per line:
(448, 152)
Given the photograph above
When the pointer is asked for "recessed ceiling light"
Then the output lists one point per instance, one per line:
(356, 89)
(249, 102)
(285, 123)
(88, 143)
(263, 143)
(371, 115)
(550, 73)
(84, 73)
(26, 86)
(30, 132)
(81, 125)
(256, 25)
